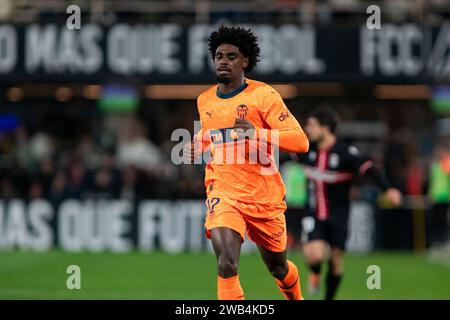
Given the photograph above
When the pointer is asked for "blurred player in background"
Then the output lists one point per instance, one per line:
(331, 166)
(240, 197)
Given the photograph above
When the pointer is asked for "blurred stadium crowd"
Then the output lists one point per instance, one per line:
(61, 151)
(117, 159)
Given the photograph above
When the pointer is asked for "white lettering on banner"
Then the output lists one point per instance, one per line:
(198, 53)
(77, 230)
(16, 232)
(390, 51)
(265, 36)
(394, 50)
(8, 48)
(147, 225)
(178, 226)
(118, 225)
(195, 212)
(59, 50)
(92, 60)
(101, 225)
(40, 212)
(92, 225)
(26, 227)
(70, 226)
(143, 49)
(289, 49)
(172, 226)
(439, 62)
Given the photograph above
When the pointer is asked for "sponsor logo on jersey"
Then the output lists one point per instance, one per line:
(219, 136)
(284, 115)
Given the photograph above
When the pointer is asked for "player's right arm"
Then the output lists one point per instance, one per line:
(199, 144)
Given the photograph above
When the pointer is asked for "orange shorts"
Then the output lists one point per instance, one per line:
(267, 231)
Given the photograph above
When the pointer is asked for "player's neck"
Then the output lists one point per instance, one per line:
(327, 142)
(230, 87)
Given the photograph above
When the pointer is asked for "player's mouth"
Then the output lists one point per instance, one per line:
(223, 70)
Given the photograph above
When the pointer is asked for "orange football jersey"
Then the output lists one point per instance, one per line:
(249, 172)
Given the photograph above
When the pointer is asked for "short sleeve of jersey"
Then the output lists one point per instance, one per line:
(274, 112)
(355, 160)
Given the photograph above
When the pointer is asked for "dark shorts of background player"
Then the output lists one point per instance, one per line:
(332, 232)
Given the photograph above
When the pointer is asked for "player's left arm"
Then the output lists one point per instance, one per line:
(284, 130)
(365, 166)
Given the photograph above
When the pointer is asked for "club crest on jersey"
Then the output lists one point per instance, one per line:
(333, 162)
(242, 111)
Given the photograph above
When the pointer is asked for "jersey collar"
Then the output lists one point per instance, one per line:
(232, 93)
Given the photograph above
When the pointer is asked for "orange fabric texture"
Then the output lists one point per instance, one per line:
(290, 285)
(256, 178)
(266, 226)
(229, 288)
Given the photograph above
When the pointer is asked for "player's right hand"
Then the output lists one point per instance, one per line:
(188, 152)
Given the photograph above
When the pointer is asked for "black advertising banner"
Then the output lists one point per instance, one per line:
(120, 225)
(170, 53)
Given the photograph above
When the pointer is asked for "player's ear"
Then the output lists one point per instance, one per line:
(246, 61)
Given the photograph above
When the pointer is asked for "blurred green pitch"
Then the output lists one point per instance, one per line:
(156, 275)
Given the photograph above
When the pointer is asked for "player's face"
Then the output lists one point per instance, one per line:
(230, 63)
(314, 130)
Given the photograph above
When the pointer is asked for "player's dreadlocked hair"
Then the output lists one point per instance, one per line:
(242, 38)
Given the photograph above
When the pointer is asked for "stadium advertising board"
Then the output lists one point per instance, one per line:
(170, 53)
(122, 226)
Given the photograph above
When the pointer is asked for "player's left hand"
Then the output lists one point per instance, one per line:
(244, 127)
(394, 196)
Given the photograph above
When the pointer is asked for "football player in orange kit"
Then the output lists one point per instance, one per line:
(243, 197)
